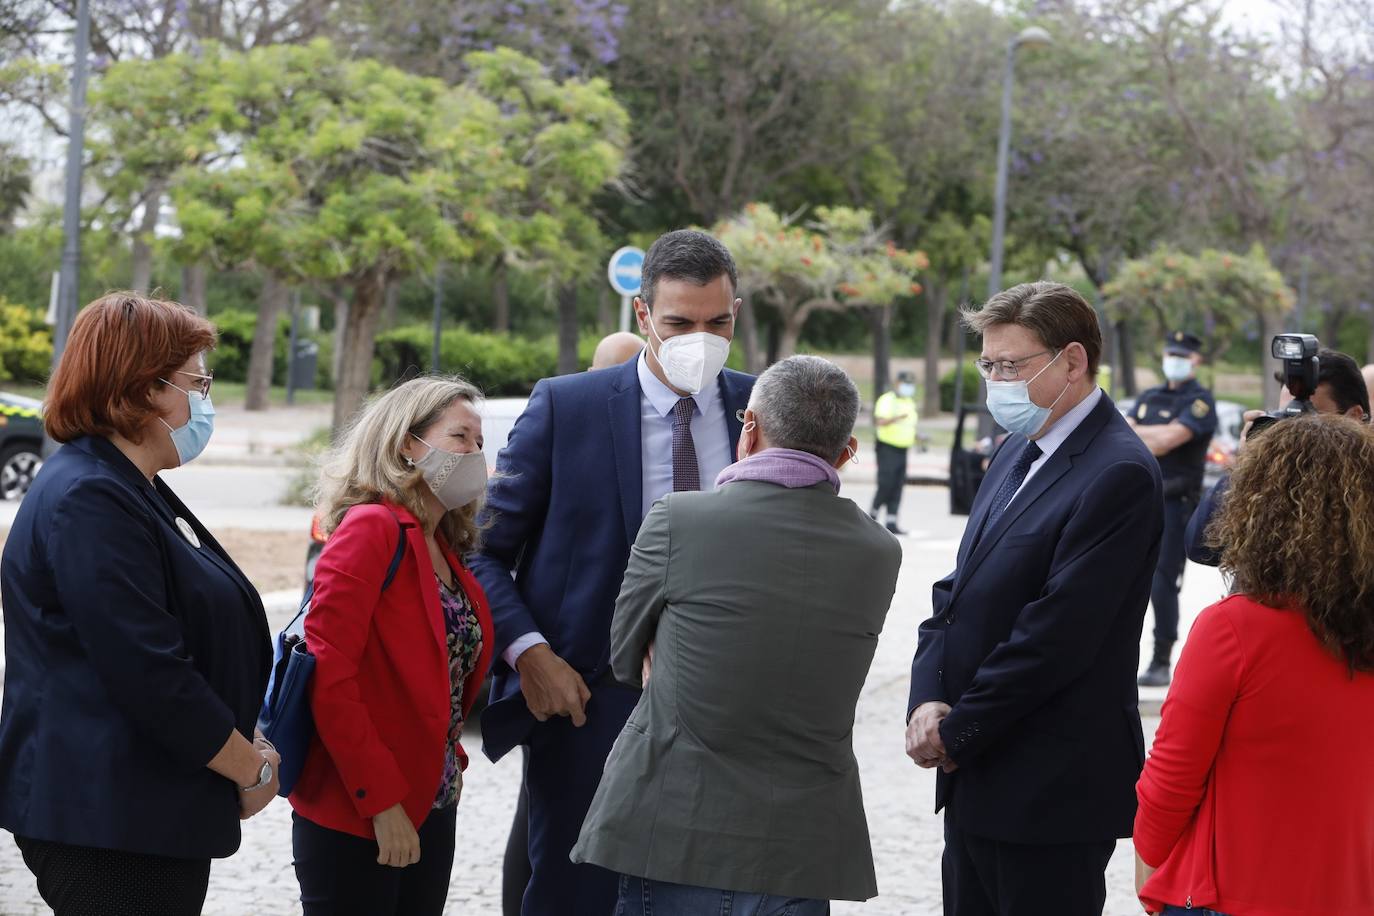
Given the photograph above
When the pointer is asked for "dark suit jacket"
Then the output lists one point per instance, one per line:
(130, 654)
(1195, 538)
(564, 507)
(1035, 641)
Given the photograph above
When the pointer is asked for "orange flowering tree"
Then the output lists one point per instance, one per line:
(1212, 293)
(836, 261)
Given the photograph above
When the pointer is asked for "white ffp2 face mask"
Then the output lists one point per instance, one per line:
(691, 361)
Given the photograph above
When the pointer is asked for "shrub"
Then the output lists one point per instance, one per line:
(499, 364)
(229, 361)
(971, 381)
(25, 344)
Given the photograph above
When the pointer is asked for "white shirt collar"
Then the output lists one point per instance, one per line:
(1056, 435)
(662, 398)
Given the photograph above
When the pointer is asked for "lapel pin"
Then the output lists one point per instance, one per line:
(188, 532)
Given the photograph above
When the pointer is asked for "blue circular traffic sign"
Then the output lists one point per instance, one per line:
(624, 270)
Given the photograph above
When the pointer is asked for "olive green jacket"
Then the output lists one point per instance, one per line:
(736, 769)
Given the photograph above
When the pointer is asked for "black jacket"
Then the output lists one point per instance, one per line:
(130, 653)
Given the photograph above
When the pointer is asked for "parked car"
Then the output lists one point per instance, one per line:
(1221, 451)
(21, 444)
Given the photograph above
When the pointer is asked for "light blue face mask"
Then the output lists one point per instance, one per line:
(1011, 406)
(190, 440)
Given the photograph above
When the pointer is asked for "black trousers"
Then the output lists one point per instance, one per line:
(83, 881)
(1168, 577)
(985, 877)
(339, 874)
(891, 478)
(515, 866)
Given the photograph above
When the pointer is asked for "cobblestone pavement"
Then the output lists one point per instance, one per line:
(907, 838)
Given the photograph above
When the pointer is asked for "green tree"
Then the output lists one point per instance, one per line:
(568, 140)
(345, 172)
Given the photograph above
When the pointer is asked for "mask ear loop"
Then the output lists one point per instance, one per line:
(853, 454)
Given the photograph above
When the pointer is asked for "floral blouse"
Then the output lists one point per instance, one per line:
(464, 646)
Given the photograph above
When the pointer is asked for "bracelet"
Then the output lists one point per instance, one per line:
(262, 740)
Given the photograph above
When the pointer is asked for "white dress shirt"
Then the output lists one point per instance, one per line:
(710, 436)
(1056, 435)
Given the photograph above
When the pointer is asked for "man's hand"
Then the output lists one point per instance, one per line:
(551, 686)
(1249, 418)
(647, 667)
(923, 742)
(398, 845)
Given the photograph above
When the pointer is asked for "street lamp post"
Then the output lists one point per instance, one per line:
(69, 278)
(1028, 38)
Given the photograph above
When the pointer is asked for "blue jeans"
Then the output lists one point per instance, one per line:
(1180, 911)
(643, 897)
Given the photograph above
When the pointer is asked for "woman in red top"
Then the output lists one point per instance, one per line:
(1258, 796)
(396, 668)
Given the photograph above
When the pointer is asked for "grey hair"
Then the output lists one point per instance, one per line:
(808, 404)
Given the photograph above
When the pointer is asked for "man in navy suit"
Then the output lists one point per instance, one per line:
(585, 461)
(1023, 687)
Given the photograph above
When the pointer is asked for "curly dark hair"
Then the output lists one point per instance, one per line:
(1296, 529)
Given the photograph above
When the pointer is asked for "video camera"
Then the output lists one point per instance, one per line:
(1298, 353)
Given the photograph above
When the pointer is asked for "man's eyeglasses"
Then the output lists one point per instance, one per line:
(202, 382)
(1005, 369)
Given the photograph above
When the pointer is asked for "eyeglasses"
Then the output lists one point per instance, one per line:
(204, 382)
(1006, 369)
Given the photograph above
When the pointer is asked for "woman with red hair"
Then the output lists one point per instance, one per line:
(136, 652)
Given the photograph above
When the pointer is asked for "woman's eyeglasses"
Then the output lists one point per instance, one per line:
(202, 382)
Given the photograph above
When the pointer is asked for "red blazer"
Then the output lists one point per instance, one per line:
(380, 695)
(1258, 797)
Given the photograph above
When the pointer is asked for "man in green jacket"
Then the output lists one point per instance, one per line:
(751, 614)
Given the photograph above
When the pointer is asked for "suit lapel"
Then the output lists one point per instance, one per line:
(734, 394)
(628, 448)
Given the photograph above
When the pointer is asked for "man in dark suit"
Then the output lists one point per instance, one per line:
(1023, 687)
(589, 456)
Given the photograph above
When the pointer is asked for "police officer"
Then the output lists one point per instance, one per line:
(1175, 421)
(894, 417)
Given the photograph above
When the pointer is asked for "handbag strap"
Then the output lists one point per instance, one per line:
(386, 583)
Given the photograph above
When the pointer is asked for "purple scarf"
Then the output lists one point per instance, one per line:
(782, 466)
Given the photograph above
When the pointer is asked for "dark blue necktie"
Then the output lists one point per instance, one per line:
(1012, 483)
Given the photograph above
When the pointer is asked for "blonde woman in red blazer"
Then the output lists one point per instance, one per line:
(1258, 797)
(396, 670)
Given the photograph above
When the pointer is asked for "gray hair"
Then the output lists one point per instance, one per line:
(808, 404)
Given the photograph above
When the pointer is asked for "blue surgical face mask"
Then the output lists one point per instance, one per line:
(190, 440)
(1177, 368)
(906, 389)
(1011, 406)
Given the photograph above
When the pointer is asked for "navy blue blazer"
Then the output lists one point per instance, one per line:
(1035, 641)
(1195, 537)
(130, 654)
(563, 510)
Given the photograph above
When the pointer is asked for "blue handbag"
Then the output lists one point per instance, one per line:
(285, 718)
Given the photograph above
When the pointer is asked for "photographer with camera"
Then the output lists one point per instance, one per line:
(1176, 421)
(1334, 385)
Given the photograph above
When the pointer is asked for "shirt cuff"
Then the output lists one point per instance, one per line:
(517, 648)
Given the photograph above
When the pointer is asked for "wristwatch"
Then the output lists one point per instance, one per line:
(264, 777)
